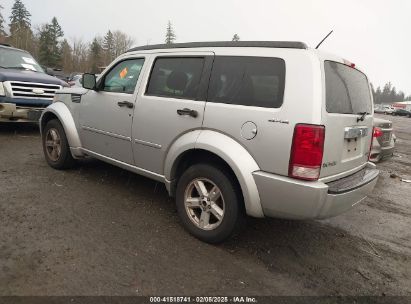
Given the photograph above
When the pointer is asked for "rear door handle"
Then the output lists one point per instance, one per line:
(187, 112)
(127, 104)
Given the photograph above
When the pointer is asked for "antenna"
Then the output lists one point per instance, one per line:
(329, 34)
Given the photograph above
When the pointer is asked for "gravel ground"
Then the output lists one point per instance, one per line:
(100, 230)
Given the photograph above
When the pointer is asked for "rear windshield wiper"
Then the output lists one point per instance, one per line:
(362, 117)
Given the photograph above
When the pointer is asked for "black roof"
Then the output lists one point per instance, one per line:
(263, 44)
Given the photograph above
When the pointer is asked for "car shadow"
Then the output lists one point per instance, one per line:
(311, 251)
(26, 128)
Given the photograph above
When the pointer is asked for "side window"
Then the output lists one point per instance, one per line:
(123, 77)
(248, 81)
(176, 77)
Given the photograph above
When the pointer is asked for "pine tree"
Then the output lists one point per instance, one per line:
(377, 96)
(170, 34)
(236, 38)
(49, 48)
(20, 26)
(2, 29)
(108, 47)
(95, 55)
(66, 56)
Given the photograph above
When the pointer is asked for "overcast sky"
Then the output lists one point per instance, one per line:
(374, 34)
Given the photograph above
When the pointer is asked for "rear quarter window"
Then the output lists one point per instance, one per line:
(347, 89)
(248, 81)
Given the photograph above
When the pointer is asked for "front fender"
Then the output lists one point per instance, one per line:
(63, 114)
(235, 155)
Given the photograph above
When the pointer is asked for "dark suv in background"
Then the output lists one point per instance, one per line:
(25, 89)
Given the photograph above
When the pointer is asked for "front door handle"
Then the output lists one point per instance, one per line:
(127, 104)
(187, 112)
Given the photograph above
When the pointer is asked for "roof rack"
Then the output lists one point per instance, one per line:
(263, 44)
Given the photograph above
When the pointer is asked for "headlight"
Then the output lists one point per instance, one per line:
(2, 91)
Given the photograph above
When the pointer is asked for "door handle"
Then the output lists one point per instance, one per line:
(187, 112)
(127, 104)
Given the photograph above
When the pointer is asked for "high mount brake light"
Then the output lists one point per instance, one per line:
(349, 63)
(307, 152)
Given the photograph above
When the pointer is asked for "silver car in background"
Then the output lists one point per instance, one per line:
(265, 129)
(384, 140)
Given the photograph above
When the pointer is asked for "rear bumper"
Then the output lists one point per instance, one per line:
(379, 152)
(284, 197)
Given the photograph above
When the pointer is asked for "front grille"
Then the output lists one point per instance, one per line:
(31, 90)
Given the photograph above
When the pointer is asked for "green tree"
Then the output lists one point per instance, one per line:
(170, 34)
(66, 56)
(388, 95)
(108, 47)
(95, 55)
(377, 95)
(236, 38)
(2, 29)
(20, 26)
(49, 45)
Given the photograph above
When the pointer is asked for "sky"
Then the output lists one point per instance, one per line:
(374, 34)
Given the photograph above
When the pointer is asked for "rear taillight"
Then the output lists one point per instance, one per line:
(376, 132)
(307, 152)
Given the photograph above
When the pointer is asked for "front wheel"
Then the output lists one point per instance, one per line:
(55, 146)
(209, 203)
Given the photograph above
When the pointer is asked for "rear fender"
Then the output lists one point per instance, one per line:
(235, 155)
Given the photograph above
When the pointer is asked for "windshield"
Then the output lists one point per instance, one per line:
(15, 59)
(347, 89)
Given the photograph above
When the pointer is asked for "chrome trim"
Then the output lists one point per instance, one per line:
(331, 178)
(106, 133)
(355, 132)
(147, 143)
(30, 90)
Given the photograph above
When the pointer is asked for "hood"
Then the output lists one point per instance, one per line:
(29, 76)
(73, 90)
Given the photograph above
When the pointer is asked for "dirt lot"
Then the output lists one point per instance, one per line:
(99, 230)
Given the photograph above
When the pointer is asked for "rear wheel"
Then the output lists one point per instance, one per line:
(55, 146)
(209, 203)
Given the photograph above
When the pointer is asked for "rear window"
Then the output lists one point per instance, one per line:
(248, 81)
(347, 89)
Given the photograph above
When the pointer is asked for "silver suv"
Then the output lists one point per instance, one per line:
(267, 129)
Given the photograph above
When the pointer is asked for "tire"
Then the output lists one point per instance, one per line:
(55, 146)
(230, 202)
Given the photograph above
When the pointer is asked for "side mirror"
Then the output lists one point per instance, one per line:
(89, 81)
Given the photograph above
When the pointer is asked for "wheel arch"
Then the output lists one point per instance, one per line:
(60, 112)
(213, 147)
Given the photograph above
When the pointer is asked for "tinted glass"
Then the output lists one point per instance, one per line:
(176, 77)
(347, 89)
(123, 77)
(249, 81)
